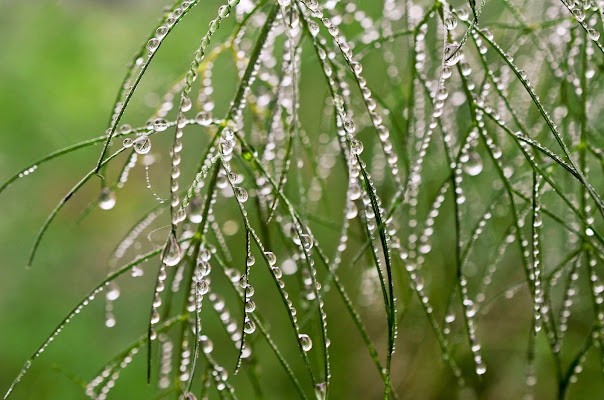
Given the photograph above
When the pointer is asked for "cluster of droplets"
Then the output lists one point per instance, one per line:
(230, 324)
(579, 10)
(27, 171)
(165, 368)
(376, 118)
(157, 301)
(110, 374)
(597, 293)
(112, 294)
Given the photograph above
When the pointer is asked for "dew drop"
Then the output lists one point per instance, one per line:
(204, 118)
(313, 27)
(154, 317)
(593, 34)
(451, 22)
(125, 128)
(579, 14)
(194, 213)
(142, 145)
(305, 341)
(452, 55)
(474, 165)
(113, 294)
(351, 211)
(160, 124)
(321, 391)
(153, 44)
(250, 260)
(107, 199)
(307, 241)
(356, 147)
(241, 194)
(250, 306)
(249, 327)
(271, 258)
(185, 104)
(171, 254)
(161, 31)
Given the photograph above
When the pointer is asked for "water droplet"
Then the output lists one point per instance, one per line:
(171, 254)
(313, 27)
(249, 290)
(185, 104)
(305, 341)
(113, 294)
(474, 165)
(161, 31)
(307, 241)
(195, 211)
(153, 44)
(160, 125)
(204, 255)
(250, 260)
(207, 344)
(241, 194)
(204, 118)
(250, 306)
(451, 22)
(452, 54)
(312, 4)
(154, 317)
(142, 145)
(579, 14)
(271, 258)
(125, 128)
(351, 211)
(593, 34)
(249, 327)
(321, 391)
(106, 199)
(356, 147)
(127, 142)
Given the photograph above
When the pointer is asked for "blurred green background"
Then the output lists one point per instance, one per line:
(61, 63)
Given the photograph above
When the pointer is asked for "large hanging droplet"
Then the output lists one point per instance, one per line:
(107, 199)
(305, 341)
(171, 254)
(142, 145)
(321, 391)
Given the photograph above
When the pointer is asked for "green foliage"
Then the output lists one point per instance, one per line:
(419, 182)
